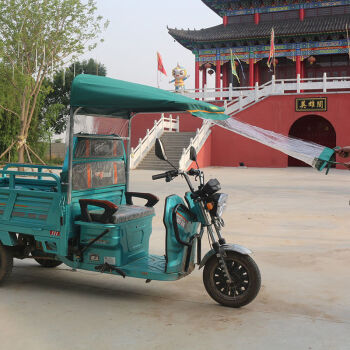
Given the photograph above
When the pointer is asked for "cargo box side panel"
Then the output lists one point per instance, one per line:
(36, 213)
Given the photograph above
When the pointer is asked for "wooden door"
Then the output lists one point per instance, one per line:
(312, 128)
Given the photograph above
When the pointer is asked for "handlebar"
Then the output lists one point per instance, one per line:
(159, 176)
(168, 175)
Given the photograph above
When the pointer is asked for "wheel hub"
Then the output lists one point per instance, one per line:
(239, 276)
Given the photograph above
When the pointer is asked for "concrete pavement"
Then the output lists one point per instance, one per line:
(295, 220)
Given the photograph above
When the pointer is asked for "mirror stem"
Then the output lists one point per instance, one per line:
(172, 164)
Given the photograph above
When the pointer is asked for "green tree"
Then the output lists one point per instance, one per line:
(60, 90)
(36, 37)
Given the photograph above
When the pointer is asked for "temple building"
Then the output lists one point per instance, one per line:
(303, 93)
(310, 39)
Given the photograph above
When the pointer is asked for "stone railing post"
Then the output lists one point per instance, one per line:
(140, 143)
(240, 101)
(324, 82)
(298, 83)
(230, 92)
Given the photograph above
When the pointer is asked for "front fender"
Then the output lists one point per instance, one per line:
(232, 247)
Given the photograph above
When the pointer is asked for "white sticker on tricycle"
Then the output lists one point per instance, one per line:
(94, 257)
(109, 260)
(181, 220)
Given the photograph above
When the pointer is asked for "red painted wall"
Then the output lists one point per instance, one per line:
(276, 113)
(204, 155)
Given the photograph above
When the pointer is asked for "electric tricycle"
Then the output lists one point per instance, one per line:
(85, 217)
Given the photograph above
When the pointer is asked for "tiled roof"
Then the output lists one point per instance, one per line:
(312, 25)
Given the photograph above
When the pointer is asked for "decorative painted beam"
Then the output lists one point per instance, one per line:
(306, 5)
(281, 50)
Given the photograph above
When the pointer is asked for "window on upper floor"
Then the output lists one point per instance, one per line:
(279, 16)
(240, 19)
(327, 11)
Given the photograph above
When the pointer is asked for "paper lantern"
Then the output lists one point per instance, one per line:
(311, 59)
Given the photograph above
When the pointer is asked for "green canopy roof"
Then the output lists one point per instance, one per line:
(111, 97)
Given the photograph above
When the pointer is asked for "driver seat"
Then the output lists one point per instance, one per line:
(116, 214)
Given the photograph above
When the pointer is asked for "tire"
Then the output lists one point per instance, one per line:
(6, 263)
(243, 291)
(45, 262)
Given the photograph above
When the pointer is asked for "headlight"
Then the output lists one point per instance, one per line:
(220, 200)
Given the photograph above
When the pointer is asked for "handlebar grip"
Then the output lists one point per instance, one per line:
(159, 176)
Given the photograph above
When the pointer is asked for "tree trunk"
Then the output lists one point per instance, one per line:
(21, 154)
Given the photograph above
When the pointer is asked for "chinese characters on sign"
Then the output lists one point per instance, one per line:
(316, 104)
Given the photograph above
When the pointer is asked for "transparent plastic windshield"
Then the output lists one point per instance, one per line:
(93, 125)
(98, 148)
(99, 158)
(97, 174)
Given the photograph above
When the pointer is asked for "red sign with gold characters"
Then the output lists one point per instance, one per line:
(314, 104)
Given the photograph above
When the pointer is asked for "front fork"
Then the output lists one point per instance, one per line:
(217, 245)
(219, 250)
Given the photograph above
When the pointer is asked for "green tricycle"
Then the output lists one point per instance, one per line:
(83, 215)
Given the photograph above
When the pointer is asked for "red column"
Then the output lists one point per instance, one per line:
(204, 77)
(256, 18)
(218, 77)
(251, 71)
(301, 14)
(196, 77)
(224, 21)
(256, 73)
(224, 75)
(297, 66)
(302, 69)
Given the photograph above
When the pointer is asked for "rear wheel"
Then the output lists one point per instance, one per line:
(45, 259)
(245, 276)
(6, 262)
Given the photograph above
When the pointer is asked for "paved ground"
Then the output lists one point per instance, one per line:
(297, 223)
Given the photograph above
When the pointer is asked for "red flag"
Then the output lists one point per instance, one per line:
(160, 64)
(272, 48)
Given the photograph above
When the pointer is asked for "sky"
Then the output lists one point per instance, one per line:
(138, 29)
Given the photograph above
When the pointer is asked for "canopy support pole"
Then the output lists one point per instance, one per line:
(128, 151)
(70, 154)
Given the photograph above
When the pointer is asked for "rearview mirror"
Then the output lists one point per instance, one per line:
(159, 150)
(193, 154)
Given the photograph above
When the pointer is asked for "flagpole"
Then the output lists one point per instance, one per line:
(157, 78)
(347, 39)
(157, 72)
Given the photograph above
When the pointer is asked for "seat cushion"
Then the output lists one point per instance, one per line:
(124, 213)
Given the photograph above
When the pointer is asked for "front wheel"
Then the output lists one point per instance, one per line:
(245, 276)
